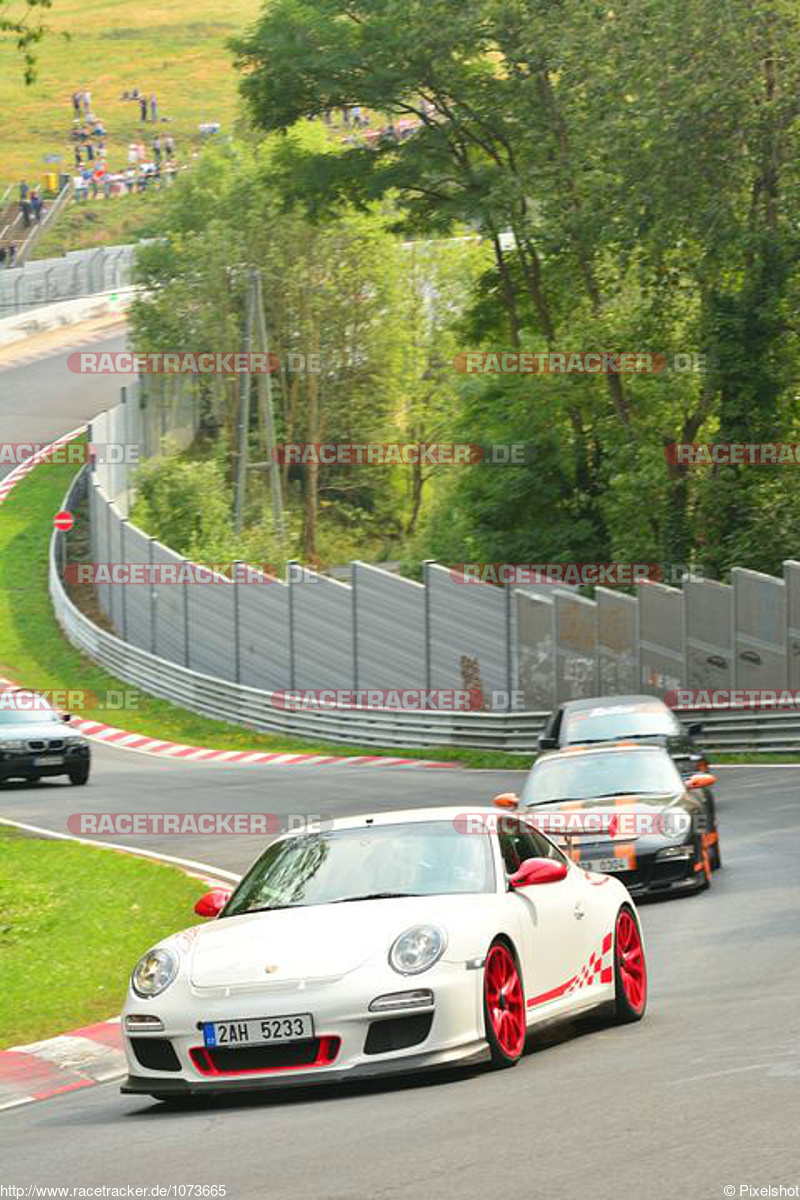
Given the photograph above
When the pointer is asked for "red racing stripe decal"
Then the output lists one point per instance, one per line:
(551, 995)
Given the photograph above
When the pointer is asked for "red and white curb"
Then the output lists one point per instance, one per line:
(124, 740)
(91, 1055)
(74, 1060)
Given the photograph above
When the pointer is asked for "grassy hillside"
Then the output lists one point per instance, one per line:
(173, 48)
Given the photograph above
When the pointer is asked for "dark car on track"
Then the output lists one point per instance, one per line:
(644, 719)
(36, 743)
(626, 811)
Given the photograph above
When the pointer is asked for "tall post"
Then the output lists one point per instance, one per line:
(354, 612)
(268, 415)
(509, 648)
(237, 652)
(244, 408)
(426, 580)
(290, 577)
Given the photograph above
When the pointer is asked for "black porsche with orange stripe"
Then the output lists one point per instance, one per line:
(625, 810)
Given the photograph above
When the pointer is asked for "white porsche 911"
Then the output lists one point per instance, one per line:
(382, 944)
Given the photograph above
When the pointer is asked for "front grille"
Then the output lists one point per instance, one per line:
(156, 1054)
(39, 744)
(397, 1033)
(222, 1060)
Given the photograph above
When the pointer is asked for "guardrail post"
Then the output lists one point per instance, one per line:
(122, 559)
(290, 565)
(509, 649)
(187, 641)
(237, 655)
(354, 612)
(428, 562)
(153, 598)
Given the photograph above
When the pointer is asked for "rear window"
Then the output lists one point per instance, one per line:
(607, 723)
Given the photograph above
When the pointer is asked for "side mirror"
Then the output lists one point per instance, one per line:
(701, 780)
(538, 870)
(212, 904)
(66, 717)
(506, 800)
(548, 743)
(695, 729)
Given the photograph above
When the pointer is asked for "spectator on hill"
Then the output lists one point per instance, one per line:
(87, 101)
(153, 107)
(169, 146)
(78, 158)
(2, 257)
(37, 204)
(143, 107)
(157, 149)
(12, 253)
(23, 191)
(90, 151)
(25, 205)
(76, 104)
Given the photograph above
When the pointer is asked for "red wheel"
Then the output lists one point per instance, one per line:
(503, 1006)
(630, 969)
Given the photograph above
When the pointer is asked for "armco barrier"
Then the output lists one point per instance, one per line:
(732, 731)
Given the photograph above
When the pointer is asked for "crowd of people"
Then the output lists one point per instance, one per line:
(355, 124)
(148, 165)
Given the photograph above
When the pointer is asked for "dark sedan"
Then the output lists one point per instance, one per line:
(626, 811)
(643, 719)
(38, 743)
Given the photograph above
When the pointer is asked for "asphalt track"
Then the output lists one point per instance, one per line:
(702, 1095)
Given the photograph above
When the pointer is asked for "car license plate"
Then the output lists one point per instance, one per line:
(607, 866)
(258, 1030)
(49, 760)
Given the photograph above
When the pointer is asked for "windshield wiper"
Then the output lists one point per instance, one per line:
(376, 896)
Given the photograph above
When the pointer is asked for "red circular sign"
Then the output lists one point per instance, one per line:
(63, 520)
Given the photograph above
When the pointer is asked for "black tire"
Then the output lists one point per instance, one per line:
(502, 1057)
(78, 776)
(626, 1012)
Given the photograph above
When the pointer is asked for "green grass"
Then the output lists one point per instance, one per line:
(176, 52)
(34, 653)
(73, 922)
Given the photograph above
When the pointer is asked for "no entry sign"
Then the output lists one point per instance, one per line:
(63, 520)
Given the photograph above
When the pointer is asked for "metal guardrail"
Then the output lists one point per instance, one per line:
(735, 731)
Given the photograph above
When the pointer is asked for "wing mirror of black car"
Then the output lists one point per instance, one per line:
(547, 743)
(695, 729)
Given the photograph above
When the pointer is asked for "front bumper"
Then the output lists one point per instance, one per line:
(349, 1041)
(14, 765)
(658, 877)
(469, 1055)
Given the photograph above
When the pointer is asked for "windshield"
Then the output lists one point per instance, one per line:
(606, 724)
(419, 859)
(12, 716)
(588, 776)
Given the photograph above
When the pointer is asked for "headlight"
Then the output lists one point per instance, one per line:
(154, 972)
(16, 747)
(417, 949)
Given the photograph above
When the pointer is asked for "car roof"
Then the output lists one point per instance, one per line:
(612, 702)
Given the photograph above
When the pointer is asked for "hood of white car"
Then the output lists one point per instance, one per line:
(318, 942)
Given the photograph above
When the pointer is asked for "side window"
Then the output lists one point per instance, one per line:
(518, 843)
(546, 849)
